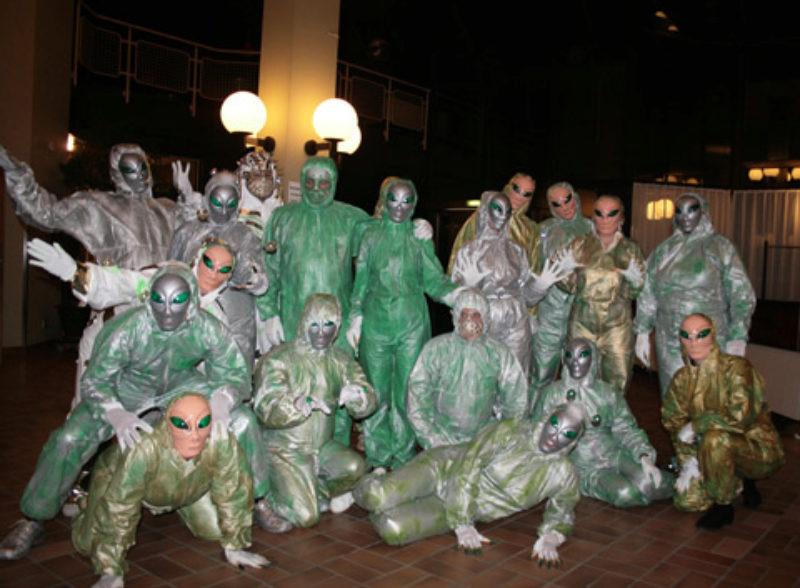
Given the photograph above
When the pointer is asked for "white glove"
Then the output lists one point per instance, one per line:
(634, 273)
(545, 548)
(736, 347)
(109, 581)
(651, 470)
(274, 330)
(52, 258)
(126, 425)
(422, 229)
(469, 271)
(354, 332)
(220, 403)
(450, 299)
(352, 393)
(689, 471)
(310, 403)
(241, 558)
(642, 348)
(687, 434)
(469, 538)
(7, 162)
(554, 271)
(180, 178)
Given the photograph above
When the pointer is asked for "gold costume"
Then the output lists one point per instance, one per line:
(723, 398)
(601, 311)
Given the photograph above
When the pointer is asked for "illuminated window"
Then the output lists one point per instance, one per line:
(660, 209)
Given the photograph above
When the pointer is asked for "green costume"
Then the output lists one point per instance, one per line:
(601, 310)
(213, 494)
(499, 472)
(317, 239)
(137, 366)
(394, 271)
(306, 465)
(459, 386)
(723, 399)
(554, 309)
(696, 273)
(608, 455)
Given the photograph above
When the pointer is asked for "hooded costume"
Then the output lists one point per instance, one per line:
(213, 494)
(608, 455)
(124, 228)
(136, 366)
(394, 271)
(509, 284)
(696, 273)
(500, 472)
(250, 273)
(521, 229)
(601, 310)
(459, 386)
(316, 242)
(724, 400)
(306, 465)
(554, 309)
(108, 286)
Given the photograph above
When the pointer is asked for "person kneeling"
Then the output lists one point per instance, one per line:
(176, 467)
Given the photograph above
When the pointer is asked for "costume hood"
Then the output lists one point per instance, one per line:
(318, 308)
(120, 185)
(324, 162)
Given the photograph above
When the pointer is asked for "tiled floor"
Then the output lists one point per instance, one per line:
(647, 546)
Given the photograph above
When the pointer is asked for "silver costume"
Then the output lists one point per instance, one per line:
(505, 277)
(694, 271)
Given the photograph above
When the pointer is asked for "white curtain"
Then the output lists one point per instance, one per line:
(746, 217)
(649, 233)
(772, 216)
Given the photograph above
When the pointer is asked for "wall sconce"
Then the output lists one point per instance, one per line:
(660, 209)
(795, 173)
(771, 172)
(755, 174)
(336, 121)
(244, 113)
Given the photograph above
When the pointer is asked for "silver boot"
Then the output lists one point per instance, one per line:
(268, 519)
(24, 535)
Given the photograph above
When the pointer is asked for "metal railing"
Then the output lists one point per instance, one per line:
(113, 48)
(379, 97)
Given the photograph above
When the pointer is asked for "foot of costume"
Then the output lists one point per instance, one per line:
(25, 534)
(265, 517)
(716, 517)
